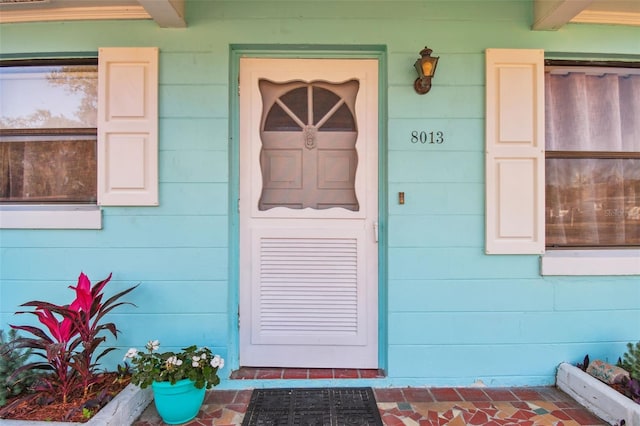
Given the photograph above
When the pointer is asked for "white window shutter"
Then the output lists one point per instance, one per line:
(515, 151)
(128, 126)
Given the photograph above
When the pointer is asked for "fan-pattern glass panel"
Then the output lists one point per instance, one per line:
(308, 133)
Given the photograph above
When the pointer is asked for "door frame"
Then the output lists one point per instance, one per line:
(378, 52)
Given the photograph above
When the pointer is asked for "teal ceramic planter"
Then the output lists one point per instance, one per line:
(177, 403)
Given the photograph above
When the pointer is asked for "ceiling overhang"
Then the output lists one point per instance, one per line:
(166, 13)
(554, 14)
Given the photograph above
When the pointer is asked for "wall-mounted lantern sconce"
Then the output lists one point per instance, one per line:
(426, 68)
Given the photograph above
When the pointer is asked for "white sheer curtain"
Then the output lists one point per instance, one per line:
(590, 202)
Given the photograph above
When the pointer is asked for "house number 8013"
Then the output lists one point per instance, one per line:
(427, 137)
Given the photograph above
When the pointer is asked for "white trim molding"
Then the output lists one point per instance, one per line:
(166, 13)
(73, 14)
(607, 17)
(590, 262)
(68, 216)
(554, 14)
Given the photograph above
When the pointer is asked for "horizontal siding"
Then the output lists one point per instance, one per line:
(584, 294)
(203, 68)
(441, 102)
(193, 101)
(404, 34)
(444, 296)
(150, 297)
(453, 314)
(459, 134)
(495, 365)
(349, 10)
(414, 230)
(457, 263)
(468, 27)
(193, 134)
(543, 327)
(462, 68)
(441, 198)
(136, 264)
(194, 166)
(172, 329)
(183, 199)
(422, 166)
(131, 231)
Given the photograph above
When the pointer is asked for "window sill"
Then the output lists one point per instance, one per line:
(50, 217)
(591, 262)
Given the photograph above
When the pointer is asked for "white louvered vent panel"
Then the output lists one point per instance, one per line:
(308, 286)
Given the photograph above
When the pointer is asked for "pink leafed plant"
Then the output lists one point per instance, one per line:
(67, 345)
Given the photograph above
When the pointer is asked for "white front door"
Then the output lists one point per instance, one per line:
(308, 213)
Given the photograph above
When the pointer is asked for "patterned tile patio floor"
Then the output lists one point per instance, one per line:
(543, 406)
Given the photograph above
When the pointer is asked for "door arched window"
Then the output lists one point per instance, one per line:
(308, 157)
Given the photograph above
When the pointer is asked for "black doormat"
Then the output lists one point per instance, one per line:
(312, 407)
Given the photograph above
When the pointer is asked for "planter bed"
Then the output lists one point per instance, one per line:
(122, 410)
(598, 397)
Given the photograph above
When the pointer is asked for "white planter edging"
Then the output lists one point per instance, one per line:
(122, 410)
(597, 397)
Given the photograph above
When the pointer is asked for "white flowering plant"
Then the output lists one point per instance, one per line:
(197, 364)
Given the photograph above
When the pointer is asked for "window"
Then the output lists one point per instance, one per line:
(48, 132)
(316, 168)
(592, 186)
(604, 168)
(75, 135)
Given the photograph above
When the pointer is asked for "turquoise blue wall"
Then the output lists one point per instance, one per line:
(452, 315)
